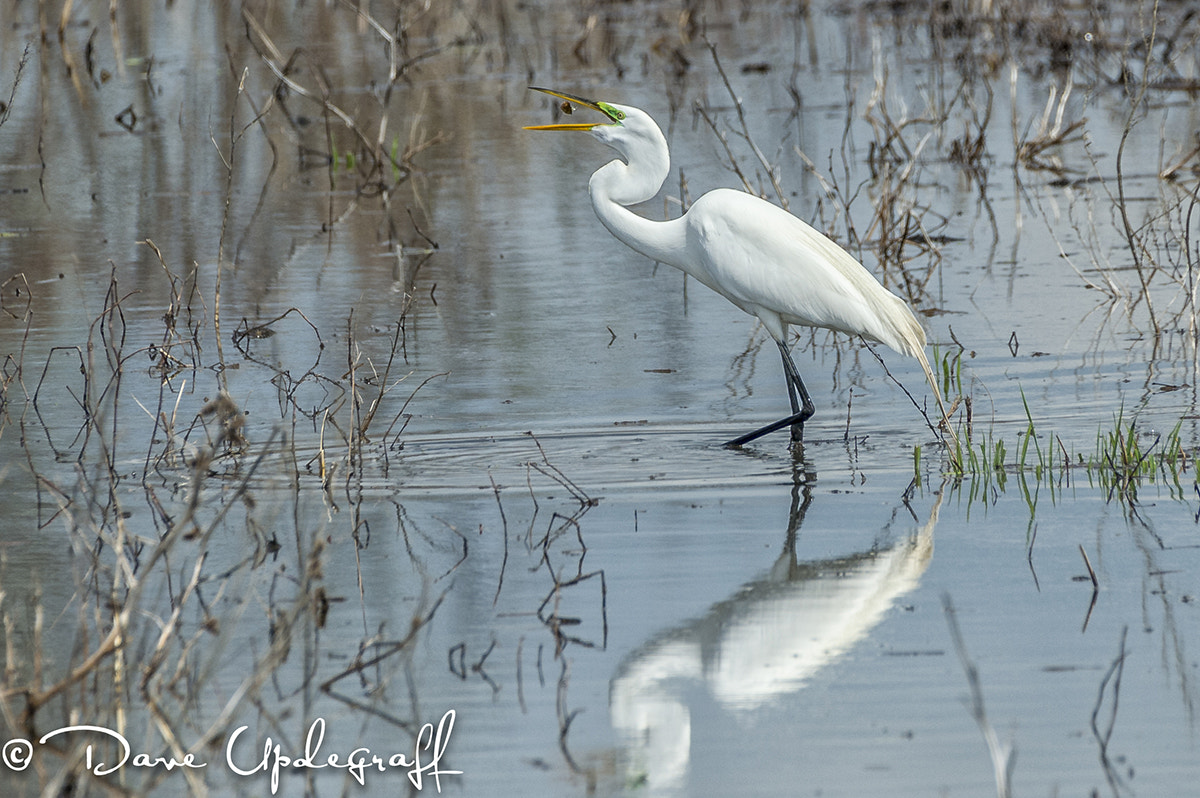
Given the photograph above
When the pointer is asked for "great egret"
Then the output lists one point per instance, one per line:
(758, 256)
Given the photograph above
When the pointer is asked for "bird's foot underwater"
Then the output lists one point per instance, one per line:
(795, 422)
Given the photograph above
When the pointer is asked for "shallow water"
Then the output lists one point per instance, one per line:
(540, 529)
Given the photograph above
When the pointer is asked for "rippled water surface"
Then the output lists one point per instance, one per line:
(329, 404)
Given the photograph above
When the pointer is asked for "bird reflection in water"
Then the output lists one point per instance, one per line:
(761, 643)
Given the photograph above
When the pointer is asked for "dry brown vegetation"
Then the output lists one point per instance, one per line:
(158, 609)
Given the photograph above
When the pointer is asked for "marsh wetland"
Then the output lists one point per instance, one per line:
(329, 409)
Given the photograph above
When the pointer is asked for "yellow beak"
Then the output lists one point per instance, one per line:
(571, 98)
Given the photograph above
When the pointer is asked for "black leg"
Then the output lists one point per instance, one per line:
(802, 406)
(796, 386)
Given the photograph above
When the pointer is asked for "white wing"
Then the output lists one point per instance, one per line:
(766, 261)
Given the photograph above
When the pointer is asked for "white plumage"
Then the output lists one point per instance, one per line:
(761, 258)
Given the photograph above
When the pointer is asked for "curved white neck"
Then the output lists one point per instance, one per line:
(614, 186)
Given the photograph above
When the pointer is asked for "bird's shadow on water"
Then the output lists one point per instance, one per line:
(759, 645)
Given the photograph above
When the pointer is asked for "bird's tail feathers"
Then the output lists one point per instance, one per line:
(901, 330)
(937, 394)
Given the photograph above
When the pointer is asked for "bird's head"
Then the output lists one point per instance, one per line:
(630, 131)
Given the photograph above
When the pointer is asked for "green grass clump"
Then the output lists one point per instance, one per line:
(1122, 461)
(1124, 458)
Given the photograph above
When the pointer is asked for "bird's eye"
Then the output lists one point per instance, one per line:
(620, 115)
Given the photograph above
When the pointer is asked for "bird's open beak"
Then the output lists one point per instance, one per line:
(571, 98)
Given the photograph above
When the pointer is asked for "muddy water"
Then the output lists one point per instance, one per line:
(538, 527)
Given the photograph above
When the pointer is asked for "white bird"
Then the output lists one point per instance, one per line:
(761, 258)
